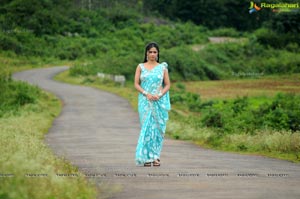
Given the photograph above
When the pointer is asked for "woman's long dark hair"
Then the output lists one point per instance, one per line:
(148, 47)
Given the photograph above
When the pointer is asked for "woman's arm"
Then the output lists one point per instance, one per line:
(137, 79)
(167, 83)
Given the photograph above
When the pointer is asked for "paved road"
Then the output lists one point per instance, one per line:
(97, 131)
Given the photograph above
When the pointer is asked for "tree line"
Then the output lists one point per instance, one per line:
(212, 14)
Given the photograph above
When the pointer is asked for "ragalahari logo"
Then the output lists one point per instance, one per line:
(275, 7)
(253, 7)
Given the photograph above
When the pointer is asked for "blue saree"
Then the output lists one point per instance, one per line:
(153, 115)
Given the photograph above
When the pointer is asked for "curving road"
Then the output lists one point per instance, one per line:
(97, 131)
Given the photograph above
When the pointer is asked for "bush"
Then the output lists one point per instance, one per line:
(277, 40)
(240, 116)
(82, 69)
(185, 64)
(213, 119)
(10, 44)
(282, 113)
(225, 32)
(188, 99)
(14, 95)
(247, 58)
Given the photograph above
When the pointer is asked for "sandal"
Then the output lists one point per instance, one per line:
(147, 164)
(156, 163)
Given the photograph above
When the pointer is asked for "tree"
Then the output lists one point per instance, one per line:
(38, 16)
(213, 13)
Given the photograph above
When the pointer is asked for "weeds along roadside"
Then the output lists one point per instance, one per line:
(26, 114)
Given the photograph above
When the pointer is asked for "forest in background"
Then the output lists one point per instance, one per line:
(95, 31)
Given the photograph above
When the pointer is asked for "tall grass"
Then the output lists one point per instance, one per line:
(23, 153)
(272, 143)
(26, 113)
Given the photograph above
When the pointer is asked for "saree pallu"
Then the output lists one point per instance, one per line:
(153, 115)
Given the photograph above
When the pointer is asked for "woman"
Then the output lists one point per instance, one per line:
(153, 83)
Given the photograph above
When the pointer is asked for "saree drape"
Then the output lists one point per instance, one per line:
(153, 115)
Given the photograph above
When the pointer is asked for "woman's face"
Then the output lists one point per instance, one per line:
(152, 54)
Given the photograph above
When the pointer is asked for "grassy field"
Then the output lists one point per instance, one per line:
(262, 86)
(271, 143)
(24, 155)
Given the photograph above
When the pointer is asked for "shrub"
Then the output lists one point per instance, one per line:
(240, 116)
(213, 119)
(10, 43)
(279, 40)
(16, 94)
(186, 64)
(283, 112)
(182, 97)
(226, 32)
(180, 86)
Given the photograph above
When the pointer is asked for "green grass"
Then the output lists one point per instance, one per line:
(183, 124)
(26, 114)
(260, 86)
(23, 152)
(11, 62)
(281, 144)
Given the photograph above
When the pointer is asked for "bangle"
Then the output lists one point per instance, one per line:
(160, 94)
(145, 92)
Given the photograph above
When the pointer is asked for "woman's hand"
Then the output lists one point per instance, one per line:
(155, 97)
(152, 97)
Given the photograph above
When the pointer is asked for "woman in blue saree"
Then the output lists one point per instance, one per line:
(153, 83)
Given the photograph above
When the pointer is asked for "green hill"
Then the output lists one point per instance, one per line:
(110, 37)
